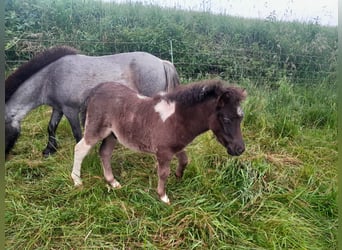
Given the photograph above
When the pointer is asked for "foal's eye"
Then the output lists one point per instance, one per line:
(226, 120)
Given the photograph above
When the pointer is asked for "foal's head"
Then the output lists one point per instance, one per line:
(227, 120)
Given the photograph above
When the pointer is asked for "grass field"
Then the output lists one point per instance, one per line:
(280, 194)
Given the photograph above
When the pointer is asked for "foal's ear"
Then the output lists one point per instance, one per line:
(232, 95)
(243, 94)
(222, 100)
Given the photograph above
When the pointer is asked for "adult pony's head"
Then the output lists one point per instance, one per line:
(226, 122)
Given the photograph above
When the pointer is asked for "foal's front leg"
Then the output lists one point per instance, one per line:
(81, 150)
(106, 151)
(163, 172)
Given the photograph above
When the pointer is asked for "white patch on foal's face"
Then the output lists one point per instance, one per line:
(165, 109)
(239, 111)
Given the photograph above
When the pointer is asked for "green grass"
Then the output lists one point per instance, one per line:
(280, 194)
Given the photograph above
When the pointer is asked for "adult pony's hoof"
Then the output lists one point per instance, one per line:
(49, 151)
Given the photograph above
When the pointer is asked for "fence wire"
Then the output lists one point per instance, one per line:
(200, 65)
(194, 59)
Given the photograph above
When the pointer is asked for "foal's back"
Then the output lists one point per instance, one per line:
(115, 108)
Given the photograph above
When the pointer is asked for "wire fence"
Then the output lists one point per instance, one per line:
(229, 63)
(198, 44)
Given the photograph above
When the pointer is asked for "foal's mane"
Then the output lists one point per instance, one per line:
(197, 92)
(31, 67)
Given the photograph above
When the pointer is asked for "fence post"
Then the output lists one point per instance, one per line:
(171, 51)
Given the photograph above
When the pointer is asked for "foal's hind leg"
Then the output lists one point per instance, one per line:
(51, 146)
(106, 151)
(182, 163)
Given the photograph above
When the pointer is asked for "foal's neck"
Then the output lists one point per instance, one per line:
(196, 118)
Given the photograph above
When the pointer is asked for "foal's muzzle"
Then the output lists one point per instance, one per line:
(236, 150)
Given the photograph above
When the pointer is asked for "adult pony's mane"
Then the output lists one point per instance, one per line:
(31, 67)
(197, 92)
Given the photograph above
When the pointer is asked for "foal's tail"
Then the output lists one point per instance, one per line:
(171, 74)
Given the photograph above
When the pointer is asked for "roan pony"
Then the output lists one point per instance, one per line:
(162, 125)
(61, 78)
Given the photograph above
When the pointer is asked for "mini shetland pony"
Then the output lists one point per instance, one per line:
(62, 78)
(162, 125)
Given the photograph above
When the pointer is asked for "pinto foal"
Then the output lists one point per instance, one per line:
(162, 125)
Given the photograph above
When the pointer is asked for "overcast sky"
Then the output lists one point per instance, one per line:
(323, 11)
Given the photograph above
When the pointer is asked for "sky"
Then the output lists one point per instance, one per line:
(325, 12)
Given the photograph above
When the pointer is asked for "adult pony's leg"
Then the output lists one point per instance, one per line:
(73, 118)
(106, 151)
(51, 146)
(81, 150)
(163, 159)
(182, 163)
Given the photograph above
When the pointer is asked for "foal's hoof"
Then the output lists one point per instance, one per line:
(115, 184)
(165, 199)
(77, 180)
(178, 176)
(78, 184)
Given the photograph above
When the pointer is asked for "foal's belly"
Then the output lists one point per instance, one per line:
(134, 124)
(135, 141)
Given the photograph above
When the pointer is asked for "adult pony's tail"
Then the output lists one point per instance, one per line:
(171, 74)
(83, 110)
(84, 105)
